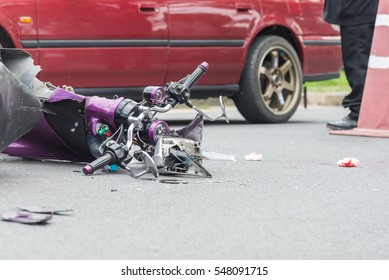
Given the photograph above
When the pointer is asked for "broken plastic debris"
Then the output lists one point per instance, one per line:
(111, 168)
(216, 156)
(173, 181)
(44, 210)
(348, 162)
(26, 217)
(217, 181)
(253, 157)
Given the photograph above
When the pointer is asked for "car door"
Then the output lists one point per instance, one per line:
(103, 43)
(209, 30)
(309, 15)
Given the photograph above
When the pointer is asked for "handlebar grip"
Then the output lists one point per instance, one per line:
(195, 76)
(107, 158)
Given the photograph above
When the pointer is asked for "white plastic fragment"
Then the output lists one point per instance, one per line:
(217, 156)
(26, 217)
(253, 157)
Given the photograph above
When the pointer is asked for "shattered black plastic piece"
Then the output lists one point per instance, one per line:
(45, 210)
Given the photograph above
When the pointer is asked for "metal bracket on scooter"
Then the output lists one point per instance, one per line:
(179, 156)
(223, 114)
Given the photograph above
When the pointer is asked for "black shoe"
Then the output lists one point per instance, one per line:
(343, 124)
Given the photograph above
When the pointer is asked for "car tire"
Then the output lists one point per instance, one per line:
(271, 82)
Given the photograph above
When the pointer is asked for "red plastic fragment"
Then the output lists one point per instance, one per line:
(348, 162)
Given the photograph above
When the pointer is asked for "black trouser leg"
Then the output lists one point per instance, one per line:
(356, 45)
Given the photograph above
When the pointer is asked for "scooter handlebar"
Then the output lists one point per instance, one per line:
(107, 158)
(196, 75)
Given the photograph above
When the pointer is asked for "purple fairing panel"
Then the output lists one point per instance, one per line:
(98, 109)
(101, 110)
(194, 130)
(51, 146)
(60, 94)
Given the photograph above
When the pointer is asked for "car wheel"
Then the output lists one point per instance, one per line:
(271, 82)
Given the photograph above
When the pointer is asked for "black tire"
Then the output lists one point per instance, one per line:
(271, 82)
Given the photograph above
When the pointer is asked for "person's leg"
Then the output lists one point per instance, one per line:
(356, 45)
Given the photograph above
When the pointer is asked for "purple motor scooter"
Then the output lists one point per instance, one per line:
(64, 125)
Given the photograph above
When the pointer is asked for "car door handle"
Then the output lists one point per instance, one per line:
(243, 7)
(148, 8)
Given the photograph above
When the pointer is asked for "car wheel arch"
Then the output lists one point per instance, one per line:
(5, 38)
(283, 32)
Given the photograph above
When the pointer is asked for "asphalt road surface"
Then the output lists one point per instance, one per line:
(293, 204)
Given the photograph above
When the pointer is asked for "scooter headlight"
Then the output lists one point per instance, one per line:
(157, 130)
(153, 131)
(154, 95)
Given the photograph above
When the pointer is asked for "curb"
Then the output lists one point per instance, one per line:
(326, 98)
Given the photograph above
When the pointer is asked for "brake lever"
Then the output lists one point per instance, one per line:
(130, 135)
(222, 115)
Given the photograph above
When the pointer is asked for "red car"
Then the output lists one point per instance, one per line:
(259, 51)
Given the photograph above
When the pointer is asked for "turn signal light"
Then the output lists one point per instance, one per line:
(25, 20)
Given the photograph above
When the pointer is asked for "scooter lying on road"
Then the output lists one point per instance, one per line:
(108, 132)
